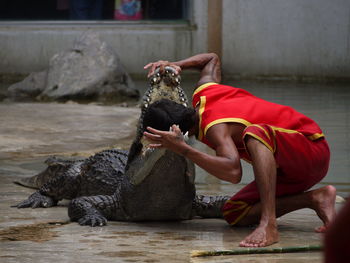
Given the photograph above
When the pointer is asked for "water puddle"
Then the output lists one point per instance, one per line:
(39, 232)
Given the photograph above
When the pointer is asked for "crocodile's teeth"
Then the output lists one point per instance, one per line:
(185, 136)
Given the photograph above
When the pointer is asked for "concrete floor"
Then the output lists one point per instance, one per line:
(32, 132)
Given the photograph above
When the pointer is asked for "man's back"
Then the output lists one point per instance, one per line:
(225, 104)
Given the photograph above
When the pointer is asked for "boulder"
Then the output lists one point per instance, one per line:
(90, 71)
(29, 88)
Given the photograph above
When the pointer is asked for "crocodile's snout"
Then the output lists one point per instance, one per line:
(155, 79)
(169, 77)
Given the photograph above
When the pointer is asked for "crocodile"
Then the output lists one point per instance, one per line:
(136, 185)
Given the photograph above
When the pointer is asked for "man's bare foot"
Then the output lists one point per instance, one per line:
(262, 236)
(324, 205)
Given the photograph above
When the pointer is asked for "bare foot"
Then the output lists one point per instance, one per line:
(262, 236)
(324, 205)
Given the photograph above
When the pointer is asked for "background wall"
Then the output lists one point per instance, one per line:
(27, 48)
(270, 38)
(287, 37)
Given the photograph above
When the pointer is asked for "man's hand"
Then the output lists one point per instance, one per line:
(161, 64)
(172, 140)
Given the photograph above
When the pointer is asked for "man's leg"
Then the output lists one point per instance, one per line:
(265, 212)
(265, 170)
(301, 163)
(321, 200)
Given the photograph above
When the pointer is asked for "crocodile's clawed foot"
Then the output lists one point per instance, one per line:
(93, 220)
(37, 200)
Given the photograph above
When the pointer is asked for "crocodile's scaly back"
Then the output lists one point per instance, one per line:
(55, 167)
(103, 172)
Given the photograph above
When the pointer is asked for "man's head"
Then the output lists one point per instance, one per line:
(163, 113)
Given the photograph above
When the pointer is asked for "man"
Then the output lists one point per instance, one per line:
(287, 150)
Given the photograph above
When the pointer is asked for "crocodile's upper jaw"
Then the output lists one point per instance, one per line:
(162, 85)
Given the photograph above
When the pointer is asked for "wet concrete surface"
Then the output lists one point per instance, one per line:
(39, 129)
(43, 235)
(31, 132)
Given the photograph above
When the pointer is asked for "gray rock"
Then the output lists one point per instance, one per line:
(90, 71)
(29, 88)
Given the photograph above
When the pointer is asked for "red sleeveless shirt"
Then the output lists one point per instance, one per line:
(220, 103)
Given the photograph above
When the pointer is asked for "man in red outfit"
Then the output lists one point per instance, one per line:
(287, 150)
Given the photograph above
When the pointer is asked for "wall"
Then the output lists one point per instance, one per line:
(28, 46)
(260, 38)
(287, 37)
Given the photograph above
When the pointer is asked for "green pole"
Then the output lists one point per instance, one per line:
(256, 250)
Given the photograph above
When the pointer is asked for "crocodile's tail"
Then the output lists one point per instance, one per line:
(54, 168)
(208, 206)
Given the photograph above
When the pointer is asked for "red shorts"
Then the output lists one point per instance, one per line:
(301, 163)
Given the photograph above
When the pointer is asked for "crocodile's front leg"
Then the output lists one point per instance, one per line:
(64, 186)
(95, 210)
(208, 206)
(36, 200)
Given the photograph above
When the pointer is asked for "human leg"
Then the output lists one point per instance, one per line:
(320, 200)
(264, 167)
(301, 164)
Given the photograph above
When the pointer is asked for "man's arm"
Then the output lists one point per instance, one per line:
(225, 165)
(208, 64)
